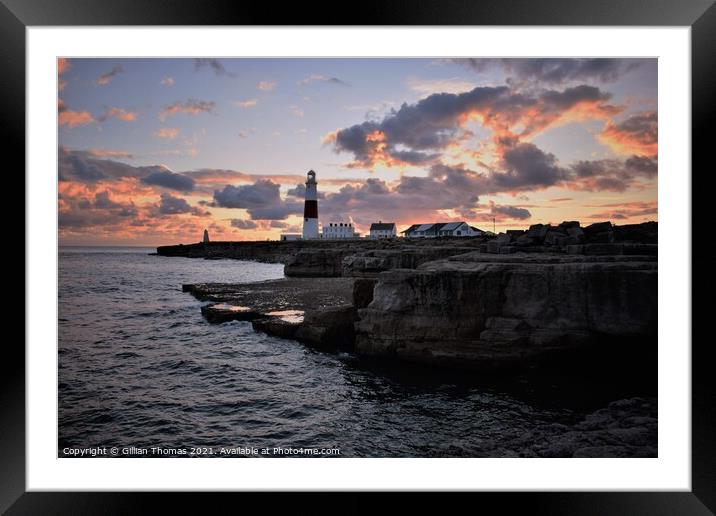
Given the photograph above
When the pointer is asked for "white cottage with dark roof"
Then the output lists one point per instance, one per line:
(441, 229)
(383, 230)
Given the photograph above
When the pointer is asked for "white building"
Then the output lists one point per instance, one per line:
(310, 208)
(285, 237)
(442, 229)
(339, 230)
(382, 230)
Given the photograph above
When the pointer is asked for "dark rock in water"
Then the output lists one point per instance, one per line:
(570, 224)
(276, 327)
(625, 428)
(316, 312)
(329, 328)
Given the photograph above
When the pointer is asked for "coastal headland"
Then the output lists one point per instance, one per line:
(547, 293)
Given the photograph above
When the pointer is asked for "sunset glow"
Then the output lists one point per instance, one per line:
(153, 151)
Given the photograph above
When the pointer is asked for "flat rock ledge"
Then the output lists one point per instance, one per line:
(318, 313)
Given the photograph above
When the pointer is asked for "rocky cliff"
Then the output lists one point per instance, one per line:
(481, 310)
(471, 302)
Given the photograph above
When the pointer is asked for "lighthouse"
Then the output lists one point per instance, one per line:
(310, 209)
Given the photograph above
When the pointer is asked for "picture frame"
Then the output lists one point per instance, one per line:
(700, 15)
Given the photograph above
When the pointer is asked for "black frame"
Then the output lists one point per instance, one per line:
(700, 15)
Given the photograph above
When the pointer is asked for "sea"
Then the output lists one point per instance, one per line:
(140, 369)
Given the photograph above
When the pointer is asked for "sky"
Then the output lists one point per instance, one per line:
(153, 151)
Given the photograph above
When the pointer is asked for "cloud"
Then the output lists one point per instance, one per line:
(510, 212)
(119, 114)
(168, 179)
(266, 85)
(63, 64)
(261, 199)
(168, 133)
(299, 191)
(246, 103)
(415, 133)
(213, 64)
(243, 224)
(167, 81)
(611, 174)
(556, 70)
(74, 167)
(645, 210)
(450, 192)
(322, 78)
(190, 106)
(527, 167)
(170, 205)
(296, 111)
(106, 78)
(74, 118)
(636, 134)
(84, 167)
(106, 153)
(92, 209)
(430, 86)
(102, 201)
(411, 198)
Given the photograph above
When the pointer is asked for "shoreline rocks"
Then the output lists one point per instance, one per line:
(471, 303)
(624, 428)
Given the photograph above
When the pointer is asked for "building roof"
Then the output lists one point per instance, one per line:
(450, 226)
(411, 228)
(434, 227)
(382, 226)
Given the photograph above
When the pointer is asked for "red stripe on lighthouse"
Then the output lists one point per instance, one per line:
(310, 210)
